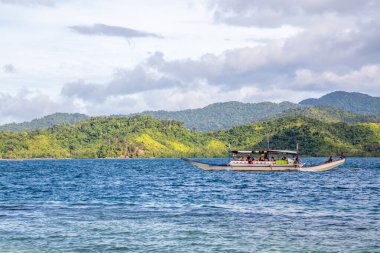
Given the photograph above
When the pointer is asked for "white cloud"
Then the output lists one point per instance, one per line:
(27, 105)
(366, 78)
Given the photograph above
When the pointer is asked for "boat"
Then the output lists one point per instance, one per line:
(265, 160)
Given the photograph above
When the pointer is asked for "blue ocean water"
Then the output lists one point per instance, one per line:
(167, 205)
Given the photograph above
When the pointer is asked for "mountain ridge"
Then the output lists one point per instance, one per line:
(338, 106)
(223, 115)
(349, 101)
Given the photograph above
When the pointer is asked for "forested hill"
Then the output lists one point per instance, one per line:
(349, 101)
(45, 122)
(224, 115)
(144, 136)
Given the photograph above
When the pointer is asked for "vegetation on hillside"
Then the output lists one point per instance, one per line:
(328, 114)
(144, 136)
(45, 122)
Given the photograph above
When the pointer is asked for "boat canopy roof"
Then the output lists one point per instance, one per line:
(291, 152)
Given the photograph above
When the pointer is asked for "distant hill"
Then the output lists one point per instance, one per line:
(224, 115)
(45, 122)
(337, 106)
(349, 101)
(328, 114)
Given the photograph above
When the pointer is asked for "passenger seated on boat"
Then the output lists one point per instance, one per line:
(272, 159)
(329, 160)
(239, 158)
(244, 158)
(250, 160)
(285, 161)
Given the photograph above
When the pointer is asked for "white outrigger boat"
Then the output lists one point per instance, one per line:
(264, 160)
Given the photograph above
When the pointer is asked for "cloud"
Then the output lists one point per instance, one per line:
(330, 43)
(273, 13)
(27, 105)
(124, 82)
(275, 67)
(48, 3)
(366, 78)
(107, 30)
(9, 68)
(336, 46)
(334, 51)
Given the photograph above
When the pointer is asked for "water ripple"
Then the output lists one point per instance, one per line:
(167, 205)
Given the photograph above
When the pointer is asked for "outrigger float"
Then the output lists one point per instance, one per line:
(264, 160)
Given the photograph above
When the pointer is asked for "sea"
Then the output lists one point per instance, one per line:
(168, 205)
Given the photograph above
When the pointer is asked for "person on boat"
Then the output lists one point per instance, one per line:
(250, 160)
(329, 160)
(244, 158)
(272, 159)
(296, 160)
(342, 156)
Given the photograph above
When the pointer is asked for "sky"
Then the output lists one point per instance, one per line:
(103, 57)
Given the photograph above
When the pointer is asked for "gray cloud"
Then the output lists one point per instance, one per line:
(326, 50)
(124, 82)
(273, 13)
(49, 3)
(9, 68)
(27, 106)
(107, 30)
(303, 63)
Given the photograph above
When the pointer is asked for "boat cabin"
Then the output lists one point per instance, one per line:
(264, 158)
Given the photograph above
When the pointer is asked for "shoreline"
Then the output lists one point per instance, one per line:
(150, 158)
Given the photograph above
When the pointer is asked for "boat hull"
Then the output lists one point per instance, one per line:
(324, 166)
(285, 168)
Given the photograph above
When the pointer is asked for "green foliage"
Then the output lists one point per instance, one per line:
(45, 122)
(328, 114)
(144, 136)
